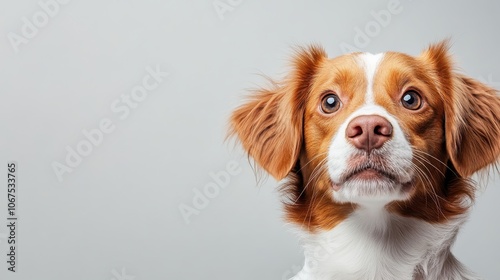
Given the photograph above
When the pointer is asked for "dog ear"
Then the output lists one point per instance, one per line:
(473, 125)
(472, 114)
(269, 125)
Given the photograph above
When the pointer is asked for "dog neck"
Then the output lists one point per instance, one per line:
(375, 244)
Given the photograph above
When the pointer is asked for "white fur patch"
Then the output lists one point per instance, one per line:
(370, 63)
(380, 246)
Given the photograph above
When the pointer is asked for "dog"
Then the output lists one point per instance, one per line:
(377, 151)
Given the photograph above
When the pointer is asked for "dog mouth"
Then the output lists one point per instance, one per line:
(368, 172)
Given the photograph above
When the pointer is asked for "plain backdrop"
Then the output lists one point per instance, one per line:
(117, 215)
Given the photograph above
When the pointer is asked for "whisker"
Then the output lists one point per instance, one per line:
(311, 205)
(434, 196)
(438, 160)
(423, 177)
(313, 174)
(318, 171)
(427, 161)
(302, 166)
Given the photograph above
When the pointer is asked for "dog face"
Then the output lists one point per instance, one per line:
(361, 129)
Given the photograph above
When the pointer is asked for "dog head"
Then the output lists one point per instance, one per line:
(364, 129)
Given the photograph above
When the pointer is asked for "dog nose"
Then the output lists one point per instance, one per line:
(368, 132)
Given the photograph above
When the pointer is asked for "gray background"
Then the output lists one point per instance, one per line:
(116, 215)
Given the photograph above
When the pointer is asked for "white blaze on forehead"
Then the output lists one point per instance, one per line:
(369, 62)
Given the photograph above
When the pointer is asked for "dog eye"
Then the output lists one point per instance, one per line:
(411, 100)
(330, 103)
